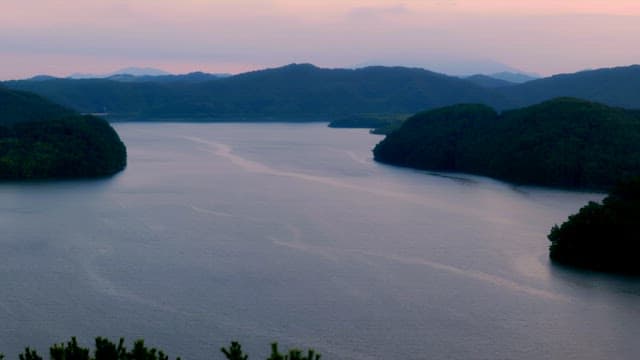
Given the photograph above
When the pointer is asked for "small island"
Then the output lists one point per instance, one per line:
(565, 142)
(378, 123)
(42, 140)
(602, 237)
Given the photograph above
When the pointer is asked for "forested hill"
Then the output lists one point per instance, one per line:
(297, 90)
(562, 142)
(41, 140)
(19, 106)
(619, 86)
(602, 236)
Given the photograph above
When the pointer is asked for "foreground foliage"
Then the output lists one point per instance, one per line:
(105, 349)
(563, 142)
(70, 147)
(603, 236)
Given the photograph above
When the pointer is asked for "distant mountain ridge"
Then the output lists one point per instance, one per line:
(297, 91)
(197, 76)
(135, 71)
(292, 90)
(617, 86)
(514, 77)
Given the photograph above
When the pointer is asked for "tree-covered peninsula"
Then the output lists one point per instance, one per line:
(563, 142)
(604, 236)
(42, 140)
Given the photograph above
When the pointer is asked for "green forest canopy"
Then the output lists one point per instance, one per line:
(42, 140)
(604, 236)
(563, 142)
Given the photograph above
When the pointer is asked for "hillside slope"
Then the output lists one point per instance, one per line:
(19, 106)
(619, 86)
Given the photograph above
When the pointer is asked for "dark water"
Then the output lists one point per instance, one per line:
(291, 233)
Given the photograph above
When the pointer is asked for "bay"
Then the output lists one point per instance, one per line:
(291, 233)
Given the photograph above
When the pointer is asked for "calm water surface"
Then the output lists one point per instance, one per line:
(292, 233)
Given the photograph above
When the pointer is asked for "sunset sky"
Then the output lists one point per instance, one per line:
(60, 37)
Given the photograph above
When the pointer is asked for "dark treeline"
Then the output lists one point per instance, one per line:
(69, 147)
(602, 237)
(612, 86)
(362, 122)
(39, 139)
(105, 349)
(378, 123)
(301, 91)
(563, 143)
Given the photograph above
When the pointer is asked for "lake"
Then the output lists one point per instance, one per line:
(291, 233)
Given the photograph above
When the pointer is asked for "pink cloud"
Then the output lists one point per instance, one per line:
(541, 36)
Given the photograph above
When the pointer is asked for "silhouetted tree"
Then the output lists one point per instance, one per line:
(234, 352)
(29, 354)
(107, 350)
(69, 351)
(294, 354)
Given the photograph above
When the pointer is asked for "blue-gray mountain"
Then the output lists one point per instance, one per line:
(619, 86)
(294, 90)
(487, 81)
(301, 90)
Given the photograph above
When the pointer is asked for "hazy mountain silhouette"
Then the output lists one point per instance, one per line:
(134, 71)
(514, 77)
(197, 76)
(488, 81)
(306, 91)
